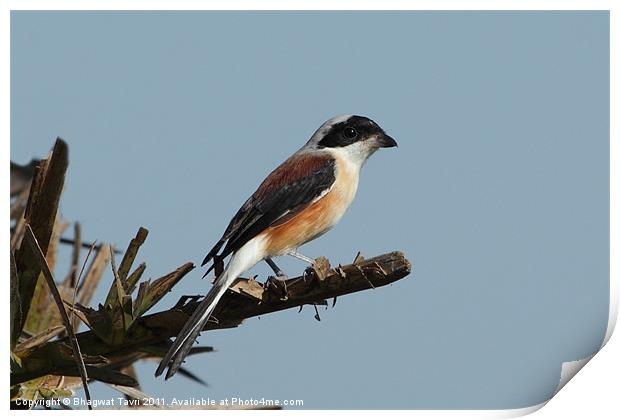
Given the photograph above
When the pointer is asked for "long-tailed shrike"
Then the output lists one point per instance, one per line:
(299, 201)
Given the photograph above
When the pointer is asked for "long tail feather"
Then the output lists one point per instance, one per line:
(241, 260)
(185, 339)
(191, 329)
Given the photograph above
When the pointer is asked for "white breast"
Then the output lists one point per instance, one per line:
(345, 186)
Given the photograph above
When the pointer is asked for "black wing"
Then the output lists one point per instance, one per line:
(288, 189)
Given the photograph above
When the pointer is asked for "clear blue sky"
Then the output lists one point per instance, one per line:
(498, 192)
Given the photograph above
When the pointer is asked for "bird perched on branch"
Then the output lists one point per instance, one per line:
(299, 201)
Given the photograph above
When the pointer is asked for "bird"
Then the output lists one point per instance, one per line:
(299, 201)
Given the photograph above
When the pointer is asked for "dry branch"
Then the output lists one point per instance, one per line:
(41, 215)
(40, 338)
(250, 299)
(87, 287)
(71, 279)
(253, 299)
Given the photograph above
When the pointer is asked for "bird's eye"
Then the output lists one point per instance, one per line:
(350, 133)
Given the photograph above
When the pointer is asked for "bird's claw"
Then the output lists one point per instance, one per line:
(278, 285)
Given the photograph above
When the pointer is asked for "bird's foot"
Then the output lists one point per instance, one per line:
(277, 284)
(302, 257)
(319, 270)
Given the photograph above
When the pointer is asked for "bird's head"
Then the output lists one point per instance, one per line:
(351, 135)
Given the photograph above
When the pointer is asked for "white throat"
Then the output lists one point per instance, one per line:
(356, 154)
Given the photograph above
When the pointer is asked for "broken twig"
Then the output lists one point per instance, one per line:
(31, 240)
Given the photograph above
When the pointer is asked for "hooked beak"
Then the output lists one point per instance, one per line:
(387, 141)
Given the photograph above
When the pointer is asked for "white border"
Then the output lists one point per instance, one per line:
(569, 369)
